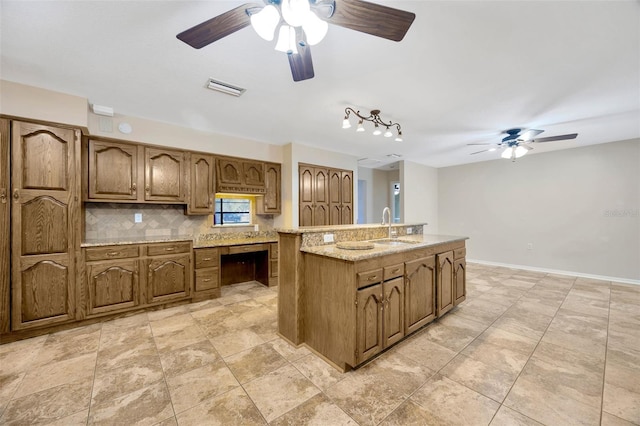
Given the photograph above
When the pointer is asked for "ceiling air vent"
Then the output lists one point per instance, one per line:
(223, 87)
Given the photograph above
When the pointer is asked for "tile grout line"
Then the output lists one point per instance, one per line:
(95, 373)
(606, 351)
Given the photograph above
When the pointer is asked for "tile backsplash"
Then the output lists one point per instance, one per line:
(114, 220)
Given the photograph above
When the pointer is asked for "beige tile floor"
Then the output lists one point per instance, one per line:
(524, 349)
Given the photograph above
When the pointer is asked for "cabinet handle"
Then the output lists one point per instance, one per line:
(3, 196)
(133, 187)
(112, 253)
(206, 280)
(170, 249)
(206, 259)
(16, 194)
(395, 271)
(371, 278)
(146, 188)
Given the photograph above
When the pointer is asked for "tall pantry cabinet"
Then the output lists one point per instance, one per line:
(5, 242)
(45, 212)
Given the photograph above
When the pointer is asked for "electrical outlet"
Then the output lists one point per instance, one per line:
(409, 230)
(328, 238)
(137, 217)
(529, 246)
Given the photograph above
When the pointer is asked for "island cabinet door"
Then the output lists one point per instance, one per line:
(460, 276)
(393, 329)
(419, 293)
(445, 287)
(369, 322)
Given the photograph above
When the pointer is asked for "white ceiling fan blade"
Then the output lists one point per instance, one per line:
(556, 138)
(529, 134)
(478, 152)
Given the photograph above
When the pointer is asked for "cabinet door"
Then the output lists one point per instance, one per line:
(369, 322)
(168, 278)
(321, 215)
(45, 219)
(228, 173)
(113, 171)
(393, 329)
(164, 175)
(112, 286)
(346, 192)
(419, 293)
(321, 186)
(305, 197)
(271, 202)
(445, 283)
(460, 277)
(5, 292)
(335, 197)
(253, 175)
(202, 189)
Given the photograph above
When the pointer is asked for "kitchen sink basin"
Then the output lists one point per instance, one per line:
(392, 242)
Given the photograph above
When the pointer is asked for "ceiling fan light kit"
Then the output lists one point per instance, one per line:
(303, 23)
(516, 143)
(378, 123)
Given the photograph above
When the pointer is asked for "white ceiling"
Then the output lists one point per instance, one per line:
(465, 71)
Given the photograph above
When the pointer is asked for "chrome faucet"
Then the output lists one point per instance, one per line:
(387, 210)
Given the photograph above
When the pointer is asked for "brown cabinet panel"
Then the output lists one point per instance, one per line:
(321, 185)
(271, 203)
(347, 215)
(111, 252)
(238, 175)
(113, 170)
(202, 189)
(368, 278)
(5, 246)
(335, 187)
(393, 328)
(45, 224)
(420, 304)
(346, 187)
(168, 248)
(253, 172)
(112, 286)
(445, 286)
(207, 279)
(229, 171)
(321, 200)
(164, 175)
(460, 277)
(306, 185)
(206, 257)
(369, 322)
(168, 278)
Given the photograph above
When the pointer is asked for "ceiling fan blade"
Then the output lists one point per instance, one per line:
(529, 134)
(218, 27)
(556, 138)
(371, 18)
(478, 152)
(301, 63)
(484, 143)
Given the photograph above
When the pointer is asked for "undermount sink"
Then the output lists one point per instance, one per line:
(392, 242)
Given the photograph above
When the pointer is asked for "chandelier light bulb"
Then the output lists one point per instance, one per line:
(360, 127)
(295, 12)
(265, 22)
(520, 151)
(314, 28)
(376, 130)
(399, 137)
(388, 133)
(346, 123)
(287, 40)
(507, 153)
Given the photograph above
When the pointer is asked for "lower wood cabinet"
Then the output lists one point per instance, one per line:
(273, 264)
(445, 283)
(207, 273)
(125, 277)
(420, 300)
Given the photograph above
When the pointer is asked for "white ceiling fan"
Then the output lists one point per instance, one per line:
(517, 142)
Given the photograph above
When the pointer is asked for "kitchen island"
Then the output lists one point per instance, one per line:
(347, 305)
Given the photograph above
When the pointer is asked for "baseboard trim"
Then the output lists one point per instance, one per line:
(556, 271)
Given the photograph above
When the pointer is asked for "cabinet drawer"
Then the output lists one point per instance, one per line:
(206, 279)
(206, 258)
(273, 267)
(459, 253)
(369, 277)
(393, 271)
(111, 252)
(168, 248)
(274, 251)
(247, 248)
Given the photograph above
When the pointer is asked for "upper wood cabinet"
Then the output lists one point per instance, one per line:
(202, 184)
(113, 171)
(238, 175)
(45, 227)
(313, 195)
(165, 175)
(125, 172)
(341, 196)
(271, 202)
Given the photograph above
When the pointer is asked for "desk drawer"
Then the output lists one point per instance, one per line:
(206, 258)
(111, 252)
(207, 279)
(249, 248)
(168, 248)
(369, 277)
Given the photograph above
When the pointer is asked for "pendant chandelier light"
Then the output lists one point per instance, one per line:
(288, 14)
(378, 123)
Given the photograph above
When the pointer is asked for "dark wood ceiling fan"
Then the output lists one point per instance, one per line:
(358, 15)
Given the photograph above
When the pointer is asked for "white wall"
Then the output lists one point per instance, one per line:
(579, 208)
(419, 195)
(296, 153)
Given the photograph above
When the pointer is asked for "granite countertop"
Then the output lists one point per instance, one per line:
(307, 229)
(198, 241)
(417, 241)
